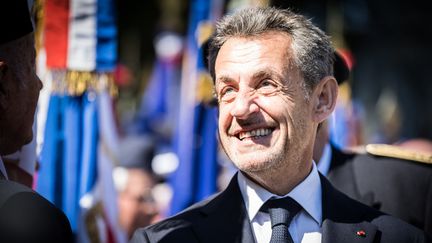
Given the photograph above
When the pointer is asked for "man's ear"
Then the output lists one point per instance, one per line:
(324, 98)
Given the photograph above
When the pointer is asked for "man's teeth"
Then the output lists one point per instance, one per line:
(255, 133)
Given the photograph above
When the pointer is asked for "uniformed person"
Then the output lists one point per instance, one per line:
(25, 216)
(393, 179)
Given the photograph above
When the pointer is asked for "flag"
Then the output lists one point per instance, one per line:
(107, 160)
(72, 132)
(49, 180)
(159, 106)
(55, 31)
(195, 138)
(81, 53)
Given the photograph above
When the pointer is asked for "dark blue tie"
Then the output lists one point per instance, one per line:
(281, 211)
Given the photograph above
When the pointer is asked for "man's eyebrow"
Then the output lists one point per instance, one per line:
(224, 79)
(267, 73)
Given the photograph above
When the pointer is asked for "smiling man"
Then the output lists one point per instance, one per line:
(273, 74)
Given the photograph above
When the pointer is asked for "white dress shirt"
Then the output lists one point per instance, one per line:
(305, 226)
(325, 161)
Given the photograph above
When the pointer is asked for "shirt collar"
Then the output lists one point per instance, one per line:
(325, 161)
(3, 169)
(307, 194)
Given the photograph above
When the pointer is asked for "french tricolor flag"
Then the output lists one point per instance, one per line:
(76, 161)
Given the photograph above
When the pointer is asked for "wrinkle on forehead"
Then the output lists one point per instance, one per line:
(255, 51)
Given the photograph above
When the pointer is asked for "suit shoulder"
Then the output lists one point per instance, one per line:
(396, 152)
(167, 230)
(173, 228)
(27, 212)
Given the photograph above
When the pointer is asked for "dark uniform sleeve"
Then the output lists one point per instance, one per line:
(28, 217)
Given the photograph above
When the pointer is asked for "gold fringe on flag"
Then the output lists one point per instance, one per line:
(38, 15)
(76, 83)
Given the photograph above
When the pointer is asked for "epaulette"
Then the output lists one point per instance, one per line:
(394, 151)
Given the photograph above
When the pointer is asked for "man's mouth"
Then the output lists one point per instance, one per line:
(261, 132)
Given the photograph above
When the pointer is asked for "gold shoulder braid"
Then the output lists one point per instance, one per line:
(398, 152)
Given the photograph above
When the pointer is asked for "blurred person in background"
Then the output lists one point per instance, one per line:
(135, 181)
(25, 216)
(396, 179)
(136, 203)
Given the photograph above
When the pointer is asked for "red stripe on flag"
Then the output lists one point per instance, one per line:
(56, 32)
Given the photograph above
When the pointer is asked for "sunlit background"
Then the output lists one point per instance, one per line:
(125, 85)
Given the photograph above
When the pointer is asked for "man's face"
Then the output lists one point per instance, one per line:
(20, 93)
(265, 120)
(136, 203)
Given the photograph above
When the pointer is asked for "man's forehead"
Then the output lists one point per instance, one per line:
(270, 40)
(266, 72)
(254, 58)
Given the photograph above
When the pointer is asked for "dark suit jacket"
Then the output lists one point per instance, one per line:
(224, 219)
(27, 217)
(402, 188)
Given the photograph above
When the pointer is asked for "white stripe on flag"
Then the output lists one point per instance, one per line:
(82, 35)
(107, 159)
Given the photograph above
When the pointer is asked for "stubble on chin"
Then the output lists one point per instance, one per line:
(256, 163)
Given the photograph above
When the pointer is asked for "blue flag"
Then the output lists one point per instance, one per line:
(50, 171)
(195, 139)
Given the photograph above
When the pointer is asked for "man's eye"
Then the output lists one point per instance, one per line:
(267, 82)
(227, 90)
(267, 86)
(227, 93)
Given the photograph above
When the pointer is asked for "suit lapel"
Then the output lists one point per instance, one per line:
(344, 220)
(334, 232)
(226, 216)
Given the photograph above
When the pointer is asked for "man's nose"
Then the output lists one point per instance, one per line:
(244, 105)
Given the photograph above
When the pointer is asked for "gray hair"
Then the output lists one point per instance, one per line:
(312, 50)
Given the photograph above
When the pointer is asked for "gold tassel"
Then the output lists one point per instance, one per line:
(38, 15)
(76, 83)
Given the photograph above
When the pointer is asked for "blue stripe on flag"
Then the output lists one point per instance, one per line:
(88, 172)
(50, 171)
(196, 144)
(71, 157)
(106, 47)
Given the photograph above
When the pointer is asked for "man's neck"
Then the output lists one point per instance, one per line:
(278, 181)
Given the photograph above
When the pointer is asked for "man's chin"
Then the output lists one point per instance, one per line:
(9, 149)
(14, 146)
(28, 139)
(253, 165)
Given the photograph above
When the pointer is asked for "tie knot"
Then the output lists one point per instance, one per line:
(281, 210)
